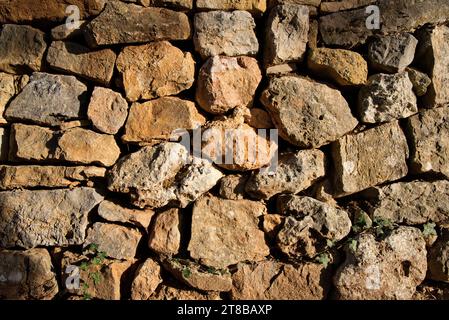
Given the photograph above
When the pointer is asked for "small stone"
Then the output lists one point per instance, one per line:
(30, 143)
(295, 172)
(272, 223)
(21, 49)
(346, 68)
(27, 275)
(369, 158)
(155, 70)
(225, 232)
(259, 119)
(146, 280)
(254, 6)
(308, 114)
(49, 100)
(420, 81)
(386, 98)
(225, 83)
(78, 60)
(232, 187)
(286, 35)
(157, 120)
(65, 32)
(10, 85)
(428, 132)
(182, 294)
(165, 233)
(115, 241)
(121, 23)
(107, 110)
(225, 33)
(45, 217)
(281, 69)
(114, 212)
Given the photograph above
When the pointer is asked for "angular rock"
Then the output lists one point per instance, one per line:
(438, 258)
(21, 49)
(295, 172)
(49, 100)
(346, 68)
(107, 110)
(232, 187)
(270, 280)
(182, 294)
(4, 144)
(27, 275)
(78, 60)
(390, 269)
(420, 81)
(165, 233)
(10, 85)
(272, 223)
(115, 241)
(386, 98)
(369, 158)
(225, 83)
(121, 23)
(308, 114)
(259, 119)
(157, 120)
(286, 35)
(253, 6)
(428, 132)
(225, 232)
(114, 212)
(146, 280)
(18, 177)
(225, 33)
(45, 217)
(31, 143)
(155, 70)
(392, 53)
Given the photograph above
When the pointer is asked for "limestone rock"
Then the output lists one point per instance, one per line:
(308, 114)
(49, 100)
(271, 224)
(155, 70)
(232, 187)
(114, 212)
(182, 294)
(295, 172)
(157, 120)
(253, 6)
(63, 32)
(225, 33)
(73, 58)
(174, 4)
(121, 23)
(107, 110)
(386, 98)
(45, 217)
(225, 232)
(369, 158)
(380, 270)
(259, 119)
(21, 48)
(146, 280)
(346, 68)
(420, 81)
(10, 85)
(165, 233)
(287, 34)
(31, 143)
(225, 83)
(116, 241)
(27, 275)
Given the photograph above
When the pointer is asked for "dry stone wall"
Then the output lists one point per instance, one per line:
(106, 191)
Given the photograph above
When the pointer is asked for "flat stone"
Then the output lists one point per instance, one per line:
(438, 258)
(369, 158)
(31, 143)
(165, 233)
(115, 241)
(121, 23)
(49, 100)
(428, 132)
(146, 280)
(232, 187)
(286, 34)
(107, 110)
(78, 60)
(114, 212)
(45, 217)
(225, 33)
(225, 232)
(225, 83)
(27, 275)
(253, 6)
(10, 86)
(157, 120)
(308, 114)
(295, 172)
(21, 48)
(155, 70)
(386, 98)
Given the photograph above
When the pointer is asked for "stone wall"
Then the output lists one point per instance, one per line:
(102, 198)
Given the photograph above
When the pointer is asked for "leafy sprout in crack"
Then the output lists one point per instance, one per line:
(186, 272)
(429, 229)
(96, 259)
(323, 259)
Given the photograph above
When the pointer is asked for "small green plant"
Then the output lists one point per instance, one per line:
(330, 243)
(429, 229)
(361, 223)
(186, 272)
(323, 259)
(382, 226)
(96, 259)
(352, 244)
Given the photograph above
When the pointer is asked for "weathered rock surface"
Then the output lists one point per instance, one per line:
(225, 83)
(175, 4)
(182, 294)
(225, 232)
(155, 70)
(259, 119)
(387, 269)
(62, 32)
(165, 233)
(45, 217)
(146, 280)
(225, 33)
(438, 258)
(10, 85)
(253, 6)
(308, 114)
(340, 5)
(232, 187)
(114, 212)
(420, 81)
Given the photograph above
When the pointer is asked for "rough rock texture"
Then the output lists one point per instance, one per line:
(308, 114)
(225, 232)
(155, 70)
(420, 80)
(146, 280)
(182, 294)
(45, 217)
(259, 119)
(114, 212)
(10, 85)
(232, 187)
(165, 233)
(253, 6)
